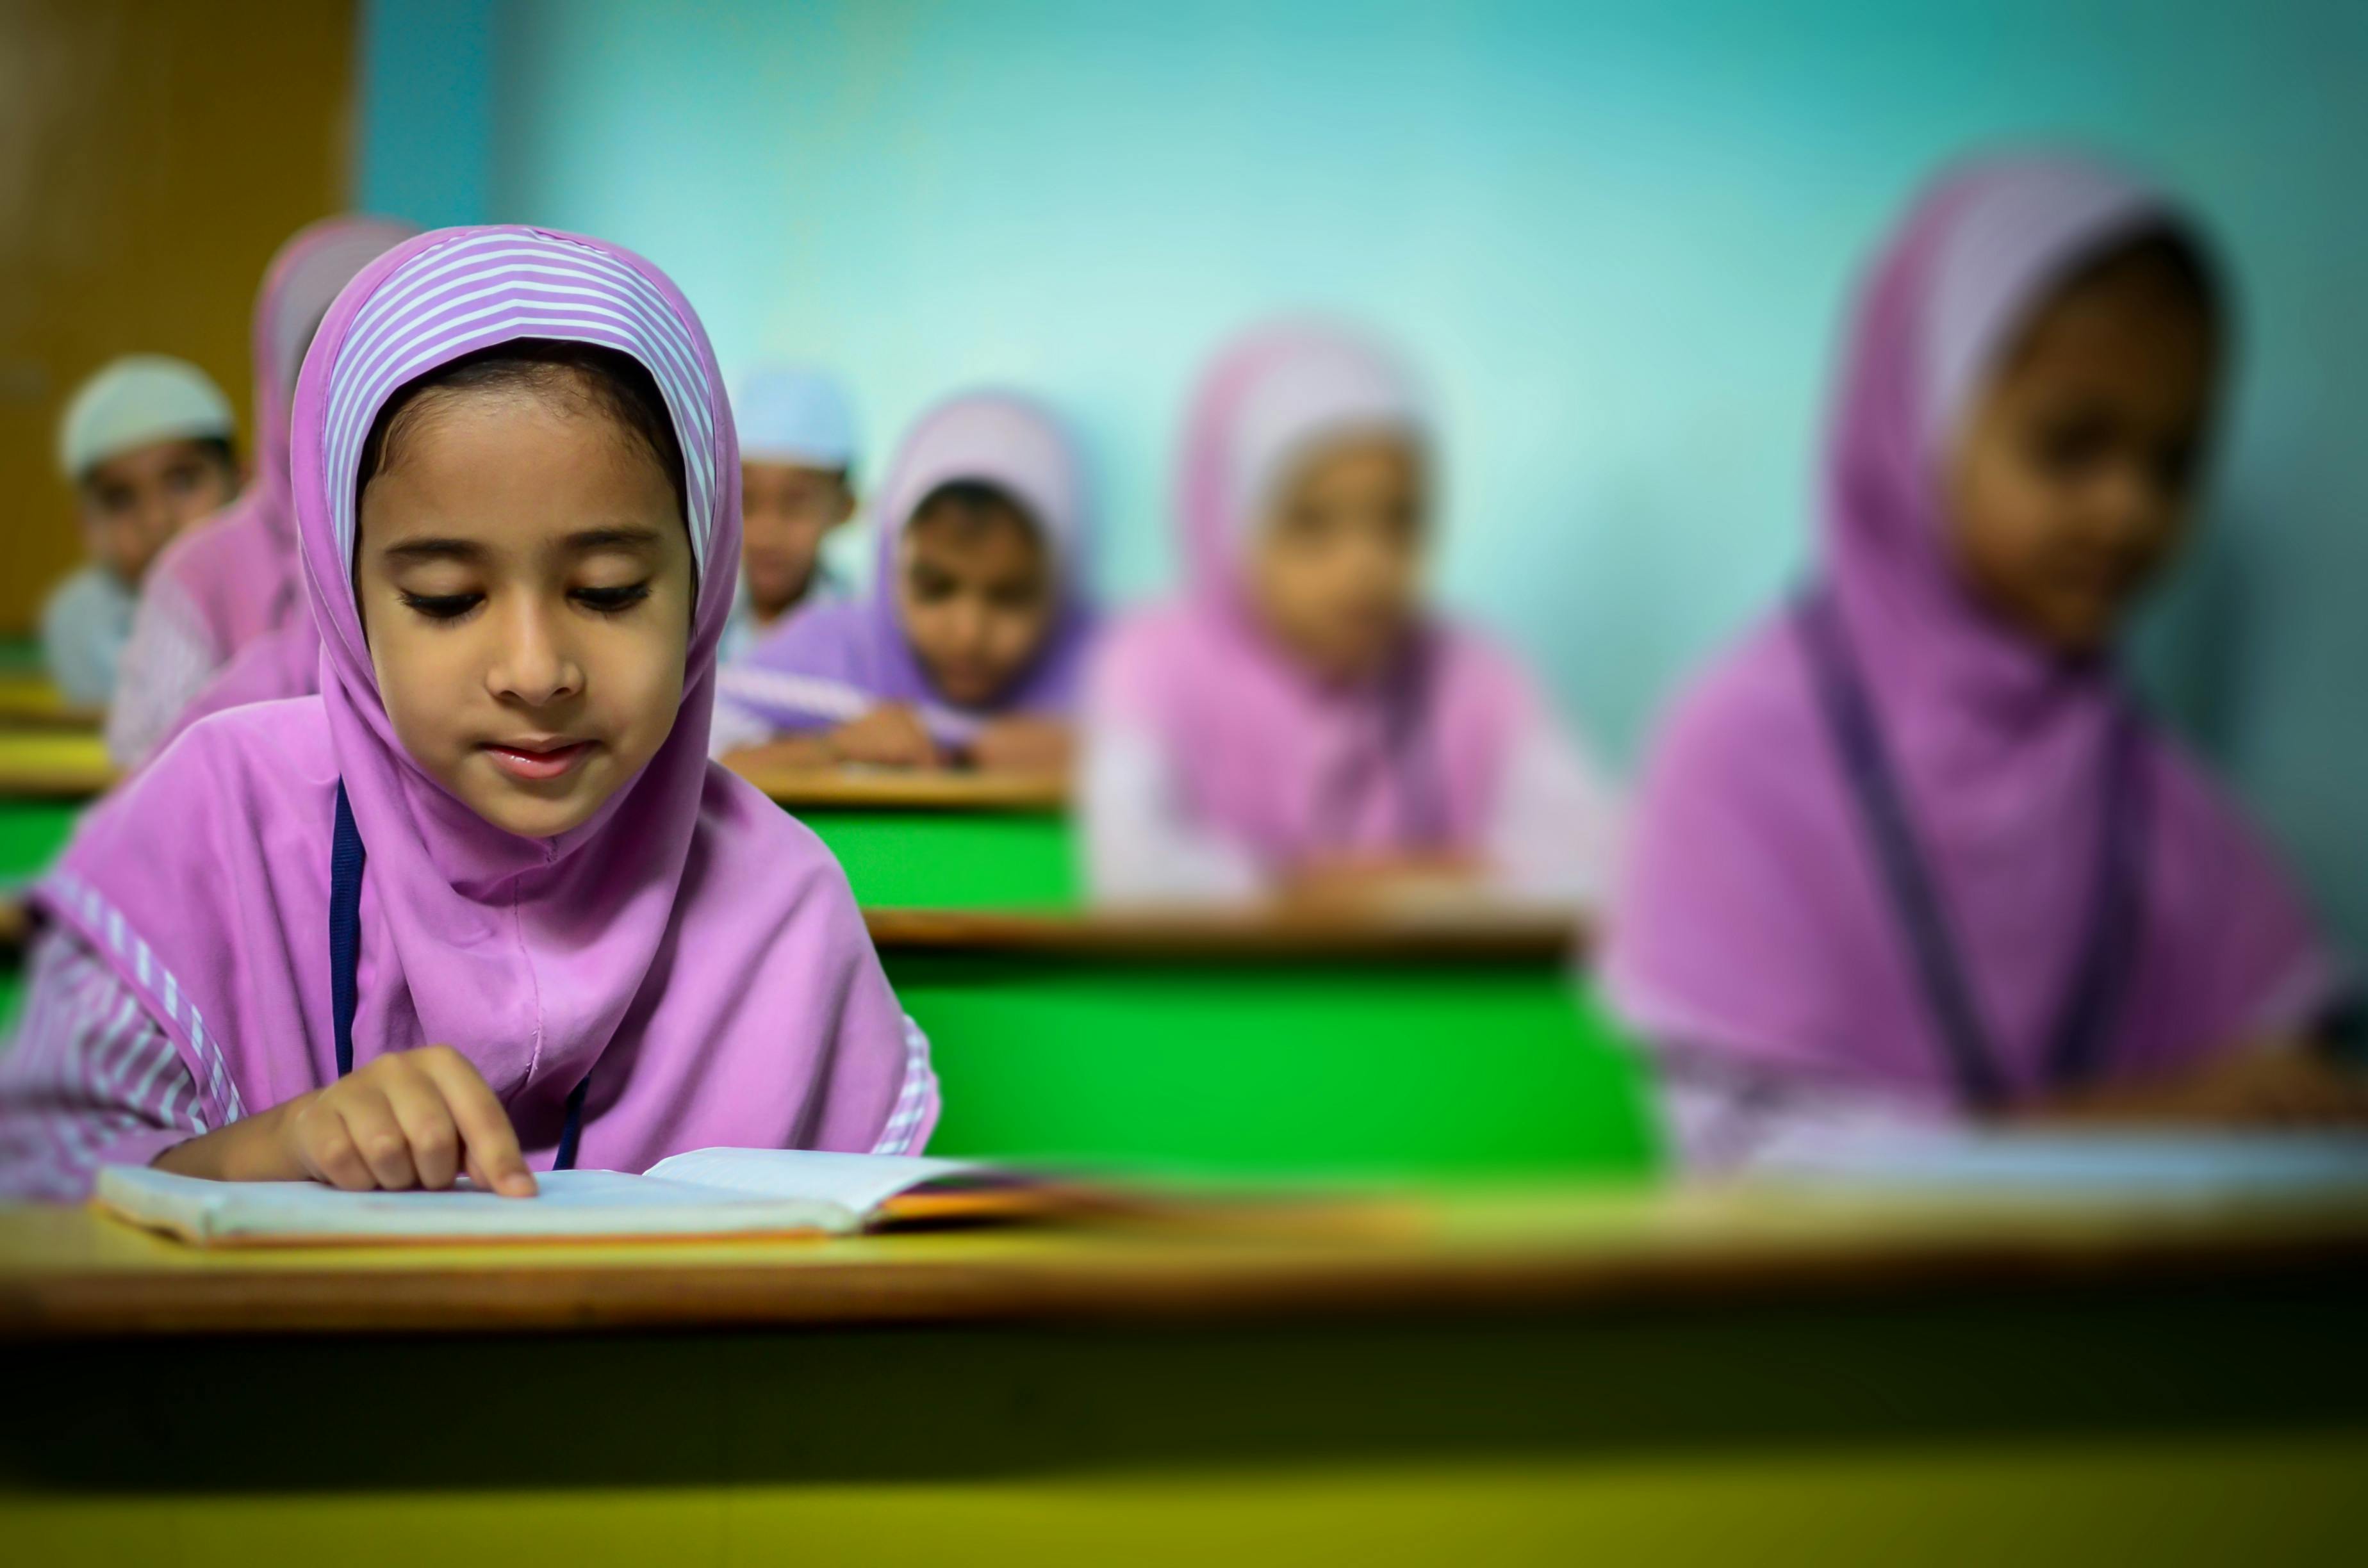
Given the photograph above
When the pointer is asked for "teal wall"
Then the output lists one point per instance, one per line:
(1619, 236)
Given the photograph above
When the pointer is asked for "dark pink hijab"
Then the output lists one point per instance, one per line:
(690, 951)
(1754, 920)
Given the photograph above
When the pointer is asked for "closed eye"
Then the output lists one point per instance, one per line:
(613, 601)
(443, 607)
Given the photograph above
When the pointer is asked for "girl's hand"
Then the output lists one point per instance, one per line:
(791, 754)
(415, 1118)
(892, 736)
(1385, 883)
(1023, 746)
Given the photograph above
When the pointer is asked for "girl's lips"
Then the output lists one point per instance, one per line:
(538, 767)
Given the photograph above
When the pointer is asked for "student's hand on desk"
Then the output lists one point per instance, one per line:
(413, 1119)
(1023, 746)
(892, 736)
(2257, 1086)
(791, 754)
(1382, 881)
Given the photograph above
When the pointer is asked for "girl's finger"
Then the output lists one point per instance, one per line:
(371, 1123)
(327, 1151)
(490, 1142)
(419, 1107)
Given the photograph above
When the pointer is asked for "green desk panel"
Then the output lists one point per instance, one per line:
(31, 833)
(1452, 1069)
(951, 859)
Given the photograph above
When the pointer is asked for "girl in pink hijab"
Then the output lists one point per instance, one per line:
(1912, 854)
(966, 650)
(1298, 723)
(482, 905)
(235, 581)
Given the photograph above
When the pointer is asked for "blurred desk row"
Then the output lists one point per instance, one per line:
(1540, 1376)
(1451, 1042)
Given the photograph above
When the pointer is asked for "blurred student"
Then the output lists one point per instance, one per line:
(966, 650)
(146, 444)
(1301, 722)
(482, 903)
(237, 580)
(1912, 854)
(797, 486)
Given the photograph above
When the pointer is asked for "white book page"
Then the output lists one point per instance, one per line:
(859, 1183)
(569, 1203)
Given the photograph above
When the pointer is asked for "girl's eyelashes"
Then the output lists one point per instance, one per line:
(442, 607)
(613, 601)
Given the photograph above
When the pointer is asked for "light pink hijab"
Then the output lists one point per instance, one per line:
(238, 572)
(831, 663)
(1753, 921)
(691, 948)
(1270, 760)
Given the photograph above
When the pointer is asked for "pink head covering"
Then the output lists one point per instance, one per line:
(239, 570)
(1269, 758)
(834, 662)
(1755, 920)
(690, 947)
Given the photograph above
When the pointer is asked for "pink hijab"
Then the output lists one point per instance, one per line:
(835, 662)
(1754, 920)
(690, 947)
(1268, 758)
(238, 572)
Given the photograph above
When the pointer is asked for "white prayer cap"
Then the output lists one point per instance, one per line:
(790, 414)
(137, 401)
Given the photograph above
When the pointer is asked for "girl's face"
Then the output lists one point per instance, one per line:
(525, 582)
(2073, 477)
(135, 502)
(976, 590)
(785, 510)
(1337, 567)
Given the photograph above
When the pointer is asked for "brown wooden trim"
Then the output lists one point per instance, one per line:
(850, 788)
(55, 782)
(1496, 937)
(985, 1277)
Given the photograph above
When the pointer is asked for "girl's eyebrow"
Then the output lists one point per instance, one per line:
(622, 536)
(434, 549)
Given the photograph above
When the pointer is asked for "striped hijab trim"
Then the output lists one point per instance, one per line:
(105, 928)
(485, 288)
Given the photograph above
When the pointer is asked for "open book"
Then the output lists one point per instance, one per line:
(709, 1192)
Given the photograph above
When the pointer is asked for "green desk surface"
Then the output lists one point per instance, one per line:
(1655, 1377)
(1270, 1047)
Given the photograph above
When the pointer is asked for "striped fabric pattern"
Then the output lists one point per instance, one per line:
(90, 1077)
(103, 925)
(917, 1100)
(493, 287)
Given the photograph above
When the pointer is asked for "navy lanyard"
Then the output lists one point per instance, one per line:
(1405, 752)
(347, 858)
(2116, 898)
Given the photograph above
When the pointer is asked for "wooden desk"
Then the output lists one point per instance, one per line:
(53, 765)
(1273, 1046)
(28, 701)
(1546, 1378)
(940, 840)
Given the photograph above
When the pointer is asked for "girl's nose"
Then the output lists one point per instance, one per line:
(534, 662)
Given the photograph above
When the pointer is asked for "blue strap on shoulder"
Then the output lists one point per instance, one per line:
(346, 859)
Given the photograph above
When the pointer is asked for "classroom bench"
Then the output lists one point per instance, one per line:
(1534, 1377)
(1299, 1044)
